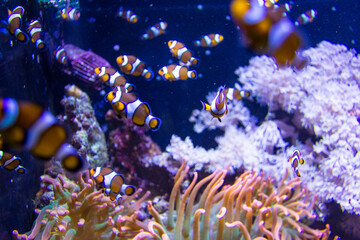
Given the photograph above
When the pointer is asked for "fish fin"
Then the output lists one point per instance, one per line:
(302, 161)
(148, 74)
(128, 67)
(120, 106)
(155, 124)
(206, 106)
(167, 76)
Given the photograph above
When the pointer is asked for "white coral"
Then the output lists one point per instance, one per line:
(324, 98)
(237, 148)
(327, 95)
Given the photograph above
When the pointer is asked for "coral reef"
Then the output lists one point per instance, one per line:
(250, 208)
(88, 137)
(83, 64)
(79, 211)
(129, 146)
(258, 148)
(315, 109)
(133, 152)
(240, 115)
(323, 98)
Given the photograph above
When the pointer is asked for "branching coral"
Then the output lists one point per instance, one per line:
(80, 212)
(317, 108)
(251, 148)
(324, 98)
(251, 208)
(240, 115)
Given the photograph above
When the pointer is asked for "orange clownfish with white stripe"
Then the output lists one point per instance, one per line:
(210, 40)
(60, 55)
(295, 160)
(233, 93)
(131, 65)
(113, 78)
(128, 15)
(28, 126)
(11, 162)
(127, 105)
(177, 72)
(266, 30)
(70, 14)
(306, 17)
(155, 31)
(112, 183)
(218, 107)
(180, 51)
(35, 34)
(14, 24)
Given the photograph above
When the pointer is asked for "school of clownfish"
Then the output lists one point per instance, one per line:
(27, 126)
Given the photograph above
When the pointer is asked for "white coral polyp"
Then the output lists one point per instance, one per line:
(328, 96)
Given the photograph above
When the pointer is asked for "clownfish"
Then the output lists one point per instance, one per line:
(176, 72)
(60, 55)
(210, 40)
(155, 31)
(131, 65)
(306, 17)
(10, 162)
(112, 183)
(113, 78)
(218, 107)
(233, 93)
(181, 52)
(70, 14)
(269, 3)
(266, 30)
(35, 34)
(14, 24)
(28, 126)
(128, 15)
(127, 105)
(295, 160)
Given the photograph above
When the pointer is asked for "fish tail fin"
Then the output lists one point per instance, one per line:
(206, 106)
(153, 122)
(40, 45)
(20, 170)
(194, 61)
(119, 199)
(129, 87)
(120, 11)
(70, 160)
(128, 190)
(148, 74)
(21, 36)
(196, 43)
(192, 74)
(144, 36)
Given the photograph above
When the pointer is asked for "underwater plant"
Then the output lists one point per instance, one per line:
(251, 208)
(79, 211)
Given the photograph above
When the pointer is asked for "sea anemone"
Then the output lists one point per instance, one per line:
(251, 208)
(79, 211)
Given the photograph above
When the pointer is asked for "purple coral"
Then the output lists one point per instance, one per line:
(128, 143)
